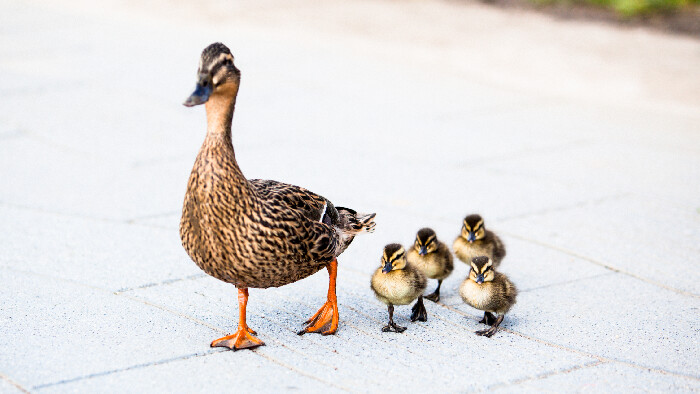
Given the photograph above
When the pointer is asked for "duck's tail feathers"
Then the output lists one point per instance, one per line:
(356, 223)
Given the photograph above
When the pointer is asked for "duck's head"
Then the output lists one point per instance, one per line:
(394, 258)
(473, 228)
(481, 270)
(426, 241)
(216, 75)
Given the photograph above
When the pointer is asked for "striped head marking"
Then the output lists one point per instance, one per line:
(481, 269)
(426, 241)
(473, 228)
(393, 258)
(216, 71)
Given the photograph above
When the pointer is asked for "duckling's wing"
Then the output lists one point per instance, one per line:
(314, 207)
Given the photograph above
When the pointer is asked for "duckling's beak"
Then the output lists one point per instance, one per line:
(423, 251)
(201, 93)
(480, 278)
(471, 237)
(387, 267)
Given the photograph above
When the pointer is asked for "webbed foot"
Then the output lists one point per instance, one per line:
(418, 311)
(242, 339)
(393, 327)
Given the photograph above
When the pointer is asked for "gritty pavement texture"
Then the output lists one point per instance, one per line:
(578, 143)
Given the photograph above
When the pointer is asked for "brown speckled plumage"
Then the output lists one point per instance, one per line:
(253, 233)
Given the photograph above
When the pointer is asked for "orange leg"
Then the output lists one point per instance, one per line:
(243, 338)
(325, 321)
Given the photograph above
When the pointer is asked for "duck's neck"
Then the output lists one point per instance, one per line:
(218, 146)
(219, 109)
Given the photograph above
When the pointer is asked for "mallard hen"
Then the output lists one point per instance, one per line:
(255, 233)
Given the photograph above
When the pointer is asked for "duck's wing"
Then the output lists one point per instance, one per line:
(310, 205)
(316, 217)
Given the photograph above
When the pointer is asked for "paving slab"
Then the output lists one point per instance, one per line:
(617, 317)
(56, 331)
(626, 234)
(101, 254)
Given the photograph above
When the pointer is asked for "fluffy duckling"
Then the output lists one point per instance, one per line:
(397, 282)
(490, 291)
(432, 257)
(475, 240)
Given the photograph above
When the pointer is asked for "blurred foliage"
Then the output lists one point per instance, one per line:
(630, 8)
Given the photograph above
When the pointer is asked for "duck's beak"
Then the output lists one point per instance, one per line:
(471, 237)
(201, 93)
(387, 267)
(480, 278)
(423, 251)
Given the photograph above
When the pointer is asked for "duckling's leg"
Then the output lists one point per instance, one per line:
(243, 338)
(325, 321)
(418, 311)
(435, 296)
(489, 332)
(488, 319)
(392, 326)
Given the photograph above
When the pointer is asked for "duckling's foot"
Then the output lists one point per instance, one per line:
(393, 327)
(435, 296)
(488, 319)
(242, 339)
(492, 330)
(325, 321)
(418, 311)
(488, 332)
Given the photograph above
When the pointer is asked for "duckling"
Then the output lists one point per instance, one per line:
(397, 282)
(256, 233)
(475, 240)
(432, 257)
(488, 290)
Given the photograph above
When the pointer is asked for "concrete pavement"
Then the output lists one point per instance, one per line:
(578, 143)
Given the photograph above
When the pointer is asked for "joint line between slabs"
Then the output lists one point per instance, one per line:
(545, 375)
(165, 282)
(580, 204)
(601, 264)
(13, 383)
(257, 351)
(132, 367)
(580, 352)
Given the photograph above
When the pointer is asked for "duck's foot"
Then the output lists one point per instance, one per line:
(488, 319)
(418, 311)
(434, 296)
(242, 339)
(492, 330)
(393, 327)
(488, 332)
(325, 321)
